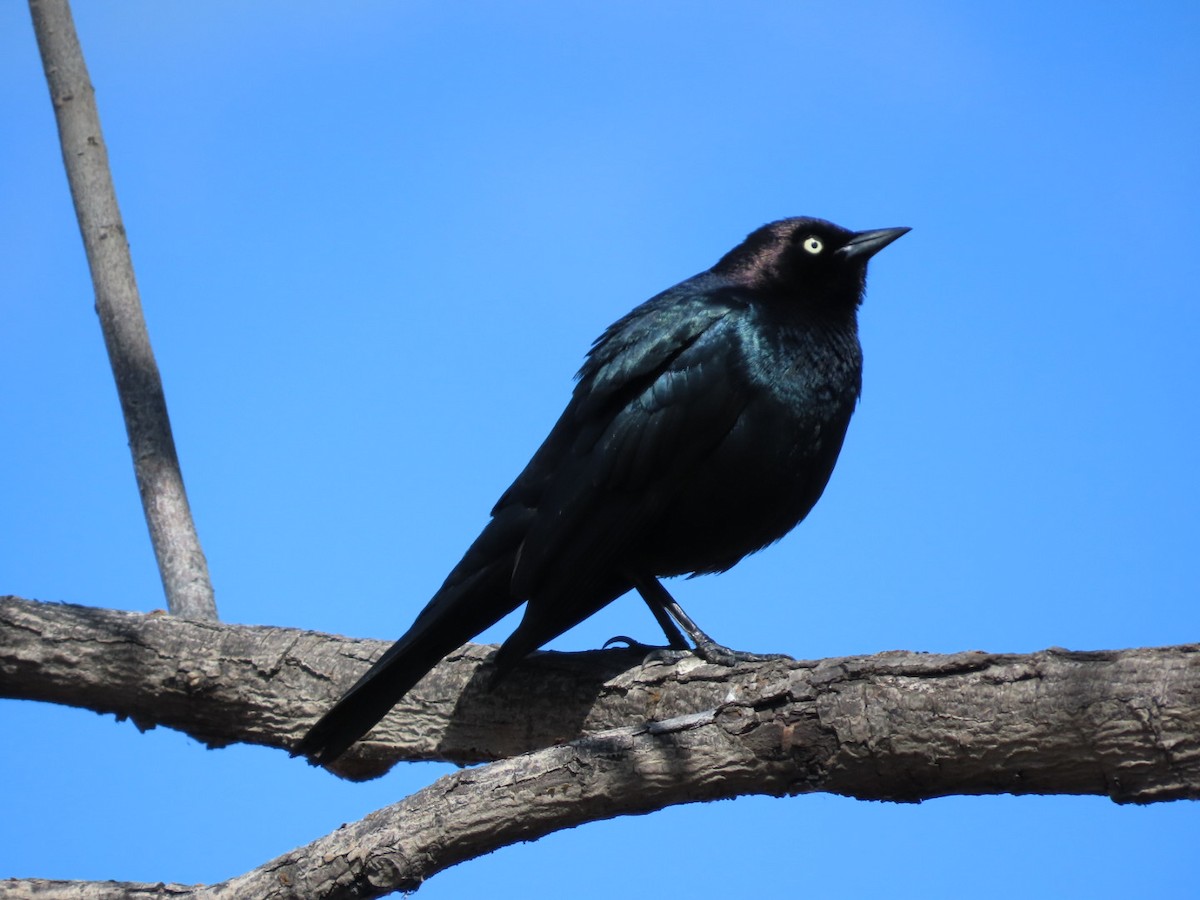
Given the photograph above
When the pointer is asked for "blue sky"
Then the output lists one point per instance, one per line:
(374, 241)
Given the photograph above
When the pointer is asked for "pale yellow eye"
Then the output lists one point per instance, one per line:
(813, 245)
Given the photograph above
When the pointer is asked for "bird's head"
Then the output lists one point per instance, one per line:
(816, 262)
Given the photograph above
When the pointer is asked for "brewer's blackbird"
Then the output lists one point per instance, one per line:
(704, 426)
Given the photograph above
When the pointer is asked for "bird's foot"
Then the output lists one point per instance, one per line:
(709, 651)
(719, 655)
(630, 643)
(665, 656)
(655, 653)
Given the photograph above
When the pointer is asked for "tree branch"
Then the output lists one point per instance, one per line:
(894, 726)
(1125, 724)
(266, 685)
(177, 548)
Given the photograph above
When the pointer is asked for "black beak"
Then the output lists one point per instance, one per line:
(866, 244)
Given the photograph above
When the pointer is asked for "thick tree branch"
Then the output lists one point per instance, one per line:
(181, 561)
(898, 726)
(266, 685)
(1125, 724)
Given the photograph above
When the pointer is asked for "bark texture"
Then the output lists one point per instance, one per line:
(181, 561)
(895, 726)
(595, 735)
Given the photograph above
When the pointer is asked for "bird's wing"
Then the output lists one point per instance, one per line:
(638, 346)
(655, 397)
(623, 361)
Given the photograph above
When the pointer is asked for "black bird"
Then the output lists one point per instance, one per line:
(704, 426)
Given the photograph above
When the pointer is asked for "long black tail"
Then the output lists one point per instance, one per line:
(475, 596)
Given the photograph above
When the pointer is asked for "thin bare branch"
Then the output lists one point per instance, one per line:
(181, 561)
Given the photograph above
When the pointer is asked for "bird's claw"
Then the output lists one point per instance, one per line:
(720, 655)
(655, 654)
(630, 643)
(664, 656)
(709, 651)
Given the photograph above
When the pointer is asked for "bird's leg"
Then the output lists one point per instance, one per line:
(666, 609)
(674, 638)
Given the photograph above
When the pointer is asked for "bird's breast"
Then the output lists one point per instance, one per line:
(769, 470)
